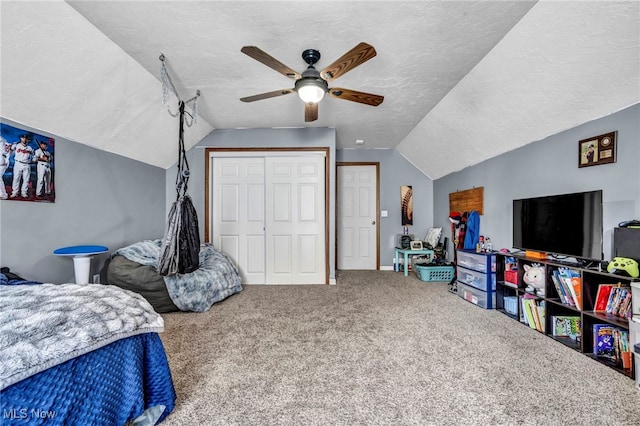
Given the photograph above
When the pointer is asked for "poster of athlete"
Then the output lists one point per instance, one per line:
(26, 165)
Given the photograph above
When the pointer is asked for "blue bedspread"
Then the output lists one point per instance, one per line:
(108, 386)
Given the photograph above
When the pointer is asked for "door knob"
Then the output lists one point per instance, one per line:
(373, 222)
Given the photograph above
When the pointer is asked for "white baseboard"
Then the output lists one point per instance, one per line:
(386, 268)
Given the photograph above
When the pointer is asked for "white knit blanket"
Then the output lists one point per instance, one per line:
(45, 325)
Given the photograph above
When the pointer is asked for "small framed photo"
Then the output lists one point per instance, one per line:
(416, 245)
(597, 150)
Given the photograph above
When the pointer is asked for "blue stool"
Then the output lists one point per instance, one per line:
(81, 259)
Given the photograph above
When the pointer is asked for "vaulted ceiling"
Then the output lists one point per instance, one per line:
(462, 81)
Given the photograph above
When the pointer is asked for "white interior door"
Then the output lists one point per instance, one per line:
(238, 221)
(357, 216)
(295, 218)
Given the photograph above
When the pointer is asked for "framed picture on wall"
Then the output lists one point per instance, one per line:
(597, 150)
(406, 205)
(26, 165)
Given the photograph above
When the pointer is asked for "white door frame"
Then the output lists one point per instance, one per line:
(212, 152)
(377, 219)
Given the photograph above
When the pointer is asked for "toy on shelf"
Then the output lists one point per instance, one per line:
(534, 278)
(623, 265)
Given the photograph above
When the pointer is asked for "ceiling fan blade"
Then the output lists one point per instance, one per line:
(356, 56)
(262, 56)
(267, 95)
(355, 96)
(310, 112)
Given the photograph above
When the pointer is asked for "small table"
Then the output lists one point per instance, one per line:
(81, 259)
(407, 252)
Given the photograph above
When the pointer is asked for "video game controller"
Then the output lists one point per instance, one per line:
(625, 264)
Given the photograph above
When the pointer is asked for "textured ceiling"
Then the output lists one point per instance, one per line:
(463, 81)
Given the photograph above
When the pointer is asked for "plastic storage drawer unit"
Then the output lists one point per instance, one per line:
(479, 280)
(481, 262)
(484, 299)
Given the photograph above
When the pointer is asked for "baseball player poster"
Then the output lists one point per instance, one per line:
(26, 165)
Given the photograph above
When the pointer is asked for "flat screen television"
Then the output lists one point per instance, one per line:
(566, 224)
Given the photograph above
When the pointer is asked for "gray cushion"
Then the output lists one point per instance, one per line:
(144, 280)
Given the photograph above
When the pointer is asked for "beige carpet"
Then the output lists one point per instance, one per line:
(380, 349)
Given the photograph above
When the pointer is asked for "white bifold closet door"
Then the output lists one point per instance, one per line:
(268, 215)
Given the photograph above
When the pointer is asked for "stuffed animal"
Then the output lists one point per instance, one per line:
(534, 278)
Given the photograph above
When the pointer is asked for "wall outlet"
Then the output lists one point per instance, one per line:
(96, 278)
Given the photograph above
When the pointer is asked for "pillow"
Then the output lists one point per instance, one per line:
(433, 237)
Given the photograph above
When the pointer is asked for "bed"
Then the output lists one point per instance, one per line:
(81, 354)
(135, 267)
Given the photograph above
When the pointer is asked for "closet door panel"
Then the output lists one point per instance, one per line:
(296, 215)
(229, 209)
(237, 219)
(282, 262)
(308, 245)
(281, 203)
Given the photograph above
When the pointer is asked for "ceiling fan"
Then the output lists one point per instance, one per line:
(312, 84)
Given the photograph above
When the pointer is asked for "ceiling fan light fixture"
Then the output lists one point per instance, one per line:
(312, 85)
(311, 91)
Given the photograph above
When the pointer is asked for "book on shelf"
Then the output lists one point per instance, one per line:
(603, 341)
(536, 315)
(625, 306)
(602, 297)
(541, 307)
(566, 326)
(561, 279)
(559, 289)
(622, 346)
(619, 301)
(528, 314)
(534, 312)
(576, 290)
(573, 284)
(610, 342)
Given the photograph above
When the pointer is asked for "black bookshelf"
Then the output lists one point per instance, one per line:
(590, 278)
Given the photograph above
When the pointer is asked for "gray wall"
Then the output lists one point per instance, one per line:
(396, 171)
(255, 138)
(550, 167)
(109, 200)
(101, 199)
